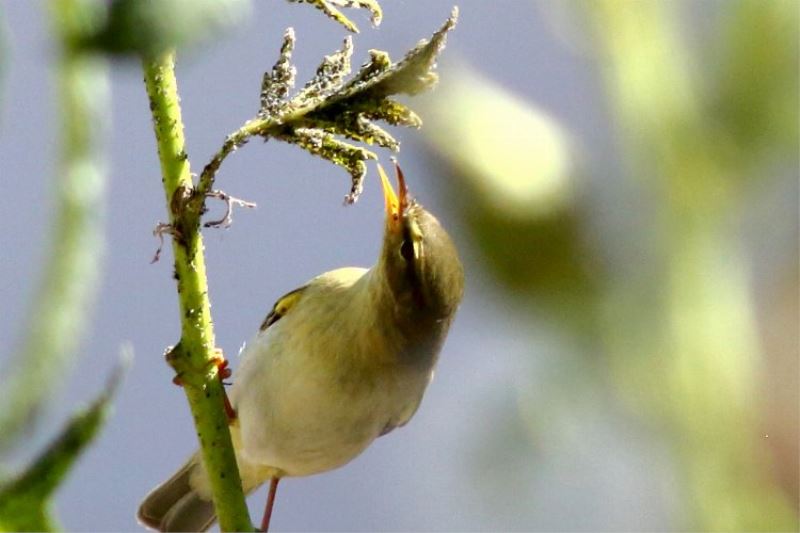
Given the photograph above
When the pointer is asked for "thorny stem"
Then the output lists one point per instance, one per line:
(195, 358)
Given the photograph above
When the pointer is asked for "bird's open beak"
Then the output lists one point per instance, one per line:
(396, 203)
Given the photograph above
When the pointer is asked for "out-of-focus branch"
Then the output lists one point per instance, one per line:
(60, 312)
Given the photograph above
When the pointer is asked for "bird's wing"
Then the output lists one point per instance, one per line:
(282, 306)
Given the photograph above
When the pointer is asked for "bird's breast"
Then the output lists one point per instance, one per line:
(313, 390)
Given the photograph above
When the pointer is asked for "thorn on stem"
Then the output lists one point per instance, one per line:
(161, 229)
(229, 200)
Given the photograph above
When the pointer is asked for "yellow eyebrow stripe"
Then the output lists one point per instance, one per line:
(282, 306)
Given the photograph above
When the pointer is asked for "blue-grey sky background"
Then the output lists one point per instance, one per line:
(455, 466)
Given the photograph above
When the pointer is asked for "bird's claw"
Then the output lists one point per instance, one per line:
(223, 373)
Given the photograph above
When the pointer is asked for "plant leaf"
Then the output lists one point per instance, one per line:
(329, 7)
(329, 76)
(277, 83)
(330, 106)
(25, 500)
(325, 145)
(412, 75)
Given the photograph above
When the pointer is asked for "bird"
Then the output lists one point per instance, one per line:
(337, 363)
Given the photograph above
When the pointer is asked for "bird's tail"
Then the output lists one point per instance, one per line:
(175, 505)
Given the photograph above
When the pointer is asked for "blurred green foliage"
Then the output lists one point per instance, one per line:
(84, 32)
(25, 501)
(65, 296)
(330, 8)
(148, 27)
(531, 229)
(754, 86)
(666, 322)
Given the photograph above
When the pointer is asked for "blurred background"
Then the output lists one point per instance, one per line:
(622, 182)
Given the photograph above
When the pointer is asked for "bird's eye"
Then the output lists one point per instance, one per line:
(407, 250)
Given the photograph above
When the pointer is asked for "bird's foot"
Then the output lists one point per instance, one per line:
(223, 373)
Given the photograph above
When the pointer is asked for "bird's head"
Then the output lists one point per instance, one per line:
(419, 260)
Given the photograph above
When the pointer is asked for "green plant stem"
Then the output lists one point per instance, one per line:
(194, 358)
(60, 312)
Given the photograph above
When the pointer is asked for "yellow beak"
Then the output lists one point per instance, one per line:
(389, 197)
(395, 205)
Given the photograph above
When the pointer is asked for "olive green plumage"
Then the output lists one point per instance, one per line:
(337, 363)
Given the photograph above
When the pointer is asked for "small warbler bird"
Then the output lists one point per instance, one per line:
(337, 363)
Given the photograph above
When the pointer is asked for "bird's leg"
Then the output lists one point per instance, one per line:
(223, 373)
(273, 488)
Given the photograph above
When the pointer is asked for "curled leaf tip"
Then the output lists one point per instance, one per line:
(330, 8)
(288, 40)
(278, 82)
